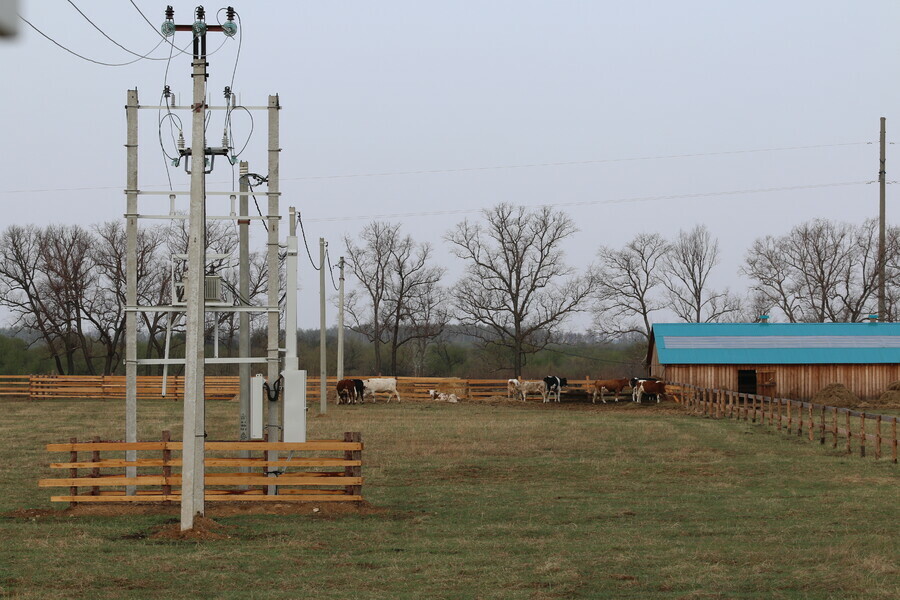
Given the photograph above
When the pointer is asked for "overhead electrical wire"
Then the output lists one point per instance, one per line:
(104, 34)
(591, 202)
(584, 162)
(305, 244)
(568, 163)
(81, 56)
(331, 268)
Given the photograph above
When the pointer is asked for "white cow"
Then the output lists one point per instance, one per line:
(512, 388)
(532, 387)
(381, 384)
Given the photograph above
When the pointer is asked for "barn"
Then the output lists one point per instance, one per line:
(788, 360)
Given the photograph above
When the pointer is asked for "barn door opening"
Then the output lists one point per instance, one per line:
(746, 381)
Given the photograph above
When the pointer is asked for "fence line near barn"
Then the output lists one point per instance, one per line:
(853, 430)
(322, 478)
(226, 387)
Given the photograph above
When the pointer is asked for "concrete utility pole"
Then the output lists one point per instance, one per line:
(290, 281)
(192, 482)
(323, 404)
(244, 317)
(274, 406)
(340, 324)
(882, 171)
(131, 114)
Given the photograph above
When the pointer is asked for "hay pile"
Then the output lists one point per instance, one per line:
(836, 394)
(891, 397)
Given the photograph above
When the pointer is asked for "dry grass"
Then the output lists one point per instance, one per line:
(482, 501)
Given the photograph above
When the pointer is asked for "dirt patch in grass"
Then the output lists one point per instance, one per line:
(580, 405)
(836, 394)
(204, 529)
(213, 510)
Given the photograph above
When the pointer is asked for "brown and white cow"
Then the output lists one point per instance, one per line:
(613, 386)
(652, 388)
(636, 386)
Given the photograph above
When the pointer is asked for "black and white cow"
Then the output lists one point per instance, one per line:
(554, 385)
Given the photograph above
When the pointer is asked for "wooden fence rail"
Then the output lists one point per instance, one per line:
(112, 387)
(849, 429)
(321, 478)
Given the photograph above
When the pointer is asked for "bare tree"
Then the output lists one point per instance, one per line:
(822, 271)
(688, 264)
(369, 263)
(429, 316)
(21, 283)
(517, 286)
(69, 289)
(400, 290)
(628, 283)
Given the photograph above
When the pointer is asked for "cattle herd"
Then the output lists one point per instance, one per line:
(551, 386)
(353, 391)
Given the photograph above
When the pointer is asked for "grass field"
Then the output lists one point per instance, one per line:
(484, 501)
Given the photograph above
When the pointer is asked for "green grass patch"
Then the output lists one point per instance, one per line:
(481, 501)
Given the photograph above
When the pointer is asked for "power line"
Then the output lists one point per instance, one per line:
(330, 269)
(103, 33)
(305, 244)
(98, 62)
(584, 162)
(572, 163)
(591, 202)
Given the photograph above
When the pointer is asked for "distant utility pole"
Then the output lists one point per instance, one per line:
(882, 257)
(340, 323)
(323, 404)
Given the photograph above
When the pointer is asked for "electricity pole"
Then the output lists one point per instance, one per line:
(340, 323)
(323, 405)
(244, 317)
(192, 485)
(882, 309)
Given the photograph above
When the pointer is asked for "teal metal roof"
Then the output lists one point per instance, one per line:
(776, 343)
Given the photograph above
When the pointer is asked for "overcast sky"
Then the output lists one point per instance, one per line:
(391, 88)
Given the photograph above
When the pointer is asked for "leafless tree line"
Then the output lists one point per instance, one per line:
(517, 289)
(821, 271)
(66, 284)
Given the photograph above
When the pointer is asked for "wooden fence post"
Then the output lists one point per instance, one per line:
(800, 421)
(779, 415)
(790, 417)
(354, 471)
(95, 472)
(862, 435)
(73, 473)
(834, 427)
(822, 426)
(894, 440)
(878, 436)
(166, 467)
(812, 422)
(849, 434)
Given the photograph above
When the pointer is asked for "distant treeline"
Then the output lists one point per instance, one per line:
(453, 354)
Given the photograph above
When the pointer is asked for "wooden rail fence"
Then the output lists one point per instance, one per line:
(866, 433)
(112, 387)
(323, 477)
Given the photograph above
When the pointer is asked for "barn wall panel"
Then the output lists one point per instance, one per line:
(799, 382)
